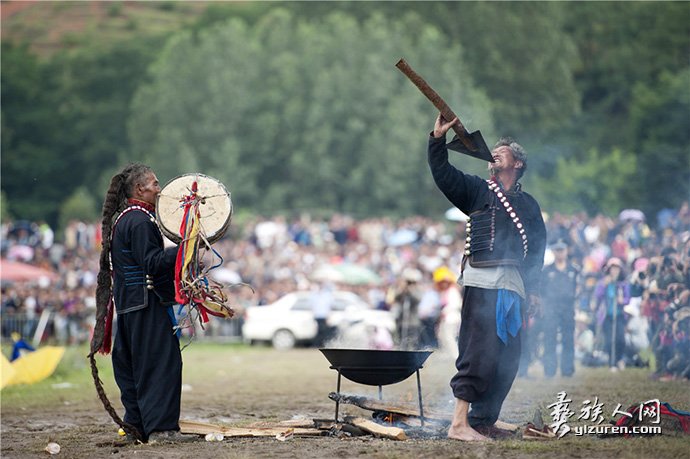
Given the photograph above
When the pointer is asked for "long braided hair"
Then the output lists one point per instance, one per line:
(121, 188)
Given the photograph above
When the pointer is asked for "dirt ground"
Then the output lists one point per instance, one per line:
(237, 386)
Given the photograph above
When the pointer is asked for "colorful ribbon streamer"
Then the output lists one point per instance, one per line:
(193, 289)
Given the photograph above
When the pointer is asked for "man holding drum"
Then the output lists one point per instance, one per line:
(147, 362)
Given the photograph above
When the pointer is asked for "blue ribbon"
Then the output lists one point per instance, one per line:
(508, 319)
(171, 314)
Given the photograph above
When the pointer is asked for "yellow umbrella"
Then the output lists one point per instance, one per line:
(8, 371)
(36, 366)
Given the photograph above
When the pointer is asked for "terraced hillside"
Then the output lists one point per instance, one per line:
(51, 26)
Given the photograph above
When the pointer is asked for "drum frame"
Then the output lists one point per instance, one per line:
(174, 235)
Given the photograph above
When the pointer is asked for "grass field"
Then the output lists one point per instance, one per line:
(239, 385)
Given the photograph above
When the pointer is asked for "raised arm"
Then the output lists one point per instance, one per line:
(460, 189)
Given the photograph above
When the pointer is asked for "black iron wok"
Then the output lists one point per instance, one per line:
(375, 367)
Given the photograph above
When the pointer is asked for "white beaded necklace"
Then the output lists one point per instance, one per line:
(493, 186)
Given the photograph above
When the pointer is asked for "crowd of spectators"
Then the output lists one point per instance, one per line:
(70, 298)
(279, 255)
(650, 270)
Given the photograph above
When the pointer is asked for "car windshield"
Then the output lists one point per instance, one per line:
(339, 304)
(287, 299)
(303, 303)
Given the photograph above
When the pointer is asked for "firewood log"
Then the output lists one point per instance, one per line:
(203, 428)
(394, 433)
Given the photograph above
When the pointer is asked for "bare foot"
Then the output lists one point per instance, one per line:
(465, 433)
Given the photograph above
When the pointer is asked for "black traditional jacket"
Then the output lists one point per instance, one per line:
(143, 271)
(505, 227)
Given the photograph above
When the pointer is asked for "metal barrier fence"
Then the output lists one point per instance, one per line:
(31, 329)
(63, 329)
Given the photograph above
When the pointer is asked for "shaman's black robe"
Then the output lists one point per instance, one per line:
(146, 354)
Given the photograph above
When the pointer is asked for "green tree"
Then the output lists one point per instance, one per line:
(659, 119)
(273, 94)
(34, 175)
(94, 104)
(515, 51)
(5, 214)
(622, 45)
(579, 184)
(632, 77)
(322, 120)
(519, 54)
(81, 205)
(64, 121)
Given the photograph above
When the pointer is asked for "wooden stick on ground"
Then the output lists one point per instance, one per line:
(506, 426)
(373, 404)
(394, 433)
(303, 423)
(203, 428)
(403, 409)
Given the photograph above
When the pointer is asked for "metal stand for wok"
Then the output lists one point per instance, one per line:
(419, 387)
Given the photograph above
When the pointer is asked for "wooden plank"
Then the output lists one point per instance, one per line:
(324, 424)
(393, 433)
(203, 428)
(300, 423)
(403, 409)
(373, 404)
(303, 423)
(409, 421)
(506, 426)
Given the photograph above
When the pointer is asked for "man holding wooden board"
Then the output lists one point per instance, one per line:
(504, 255)
(501, 267)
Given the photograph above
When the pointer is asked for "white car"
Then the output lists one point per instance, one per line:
(290, 320)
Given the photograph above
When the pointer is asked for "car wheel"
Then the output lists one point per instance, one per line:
(283, 339)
